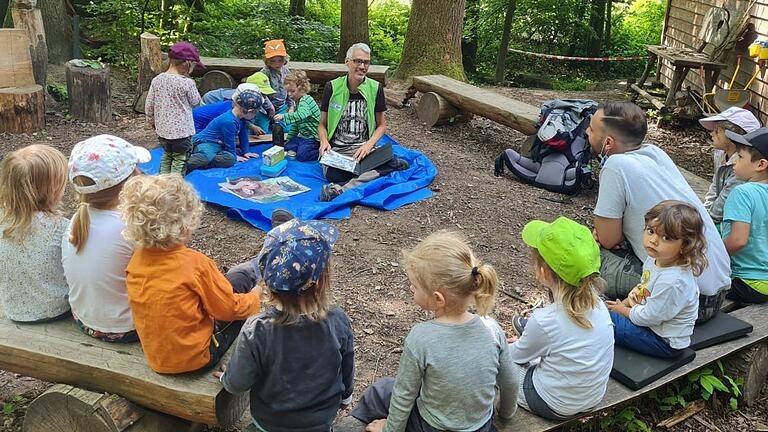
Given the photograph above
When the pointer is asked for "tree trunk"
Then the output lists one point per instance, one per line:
(22, 109)
(150, 64)
(434, 110)
(433, 40)
(58, 30)
(27, 16)
(296, 8)
(608, 23)
(597, 23)
(354, 25)
(501, 58)
(89, 93)
(469, 42)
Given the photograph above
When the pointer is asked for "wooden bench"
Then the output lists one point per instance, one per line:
(318, 73)
(752, 348)
(58, 352)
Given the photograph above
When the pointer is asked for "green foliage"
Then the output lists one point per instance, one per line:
(625, 420)
(10, 407)
(58, 91)
(701, 383)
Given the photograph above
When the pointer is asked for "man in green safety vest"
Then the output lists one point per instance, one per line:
(352, 121)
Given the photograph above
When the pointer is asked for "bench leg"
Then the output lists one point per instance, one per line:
(66, 408)
(677, 81)
(752, 364)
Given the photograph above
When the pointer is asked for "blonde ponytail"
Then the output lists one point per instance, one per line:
(106, 199)
(81, 224)
(577, 301)
(486, 281)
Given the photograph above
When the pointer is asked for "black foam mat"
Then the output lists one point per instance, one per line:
(720, 328)
(636, 370)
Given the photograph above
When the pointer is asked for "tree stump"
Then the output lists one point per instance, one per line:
(15, 59)
(64, 408)
(752, 365)
(434, 110)
(89, 92)
(27, 16)
(150, 64)
(22, 109)
(216, 79)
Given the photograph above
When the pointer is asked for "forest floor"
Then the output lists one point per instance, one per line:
(367, 280)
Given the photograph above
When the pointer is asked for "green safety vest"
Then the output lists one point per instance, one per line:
(340, 96)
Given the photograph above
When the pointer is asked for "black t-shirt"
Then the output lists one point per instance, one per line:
(353, 125)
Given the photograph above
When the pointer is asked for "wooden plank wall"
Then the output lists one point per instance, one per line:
(682, 24)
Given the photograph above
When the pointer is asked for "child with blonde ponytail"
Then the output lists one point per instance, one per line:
(451, 365)
(94, 252)
(565, 351)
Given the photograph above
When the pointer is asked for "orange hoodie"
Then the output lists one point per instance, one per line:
(175, 295)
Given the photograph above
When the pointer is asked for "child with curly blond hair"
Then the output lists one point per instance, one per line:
(187, 314)
(302, 137)
(32, 283)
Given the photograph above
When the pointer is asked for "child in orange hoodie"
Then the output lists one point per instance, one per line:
(187, 314)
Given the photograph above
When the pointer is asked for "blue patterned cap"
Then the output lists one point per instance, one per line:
(295, 255)
(248, 99)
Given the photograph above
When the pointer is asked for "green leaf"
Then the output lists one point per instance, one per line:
(706, 384)
(706, 371)
(733, 403)
(716, 383)
(680, 400)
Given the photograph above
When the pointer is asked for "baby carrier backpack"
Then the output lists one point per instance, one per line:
(560, 153)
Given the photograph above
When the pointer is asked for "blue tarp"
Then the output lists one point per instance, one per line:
(388, 193)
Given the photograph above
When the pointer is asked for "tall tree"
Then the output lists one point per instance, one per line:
(469, 40)
(296, 8)
(433, 40)
(597, 23)
(608, 23)
(354, 24)
(501, 58)
(58, 29)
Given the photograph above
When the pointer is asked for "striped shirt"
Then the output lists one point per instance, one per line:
(305, 119)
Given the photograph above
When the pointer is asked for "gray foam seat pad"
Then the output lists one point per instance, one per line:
(636, 370)
(720, 328)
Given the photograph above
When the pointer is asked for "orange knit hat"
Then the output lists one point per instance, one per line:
(274, 48)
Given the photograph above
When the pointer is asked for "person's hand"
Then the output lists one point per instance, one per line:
(251, 155)
(376, 425)
(636, 296)
(363, 151)
(512, 339)
(242, 158)
(279, 117)
(618, 307)
(219, 373)
(256, 130)
(325, 146)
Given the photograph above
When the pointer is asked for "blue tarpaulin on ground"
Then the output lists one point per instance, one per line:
(387, 193)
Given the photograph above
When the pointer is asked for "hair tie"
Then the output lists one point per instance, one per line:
(474, 271)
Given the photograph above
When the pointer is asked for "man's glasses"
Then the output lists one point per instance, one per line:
(359, 62)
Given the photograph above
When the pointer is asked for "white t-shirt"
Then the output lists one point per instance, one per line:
(96, 276)
(575, 362)
(632, 183)
(32, 284)
(673, 305)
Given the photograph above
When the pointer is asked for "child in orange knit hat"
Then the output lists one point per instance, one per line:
(276, 69)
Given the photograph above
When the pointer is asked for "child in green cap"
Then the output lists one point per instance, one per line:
(565, 351)
(657, 317)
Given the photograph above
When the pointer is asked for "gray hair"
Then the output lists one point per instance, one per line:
(358, 46)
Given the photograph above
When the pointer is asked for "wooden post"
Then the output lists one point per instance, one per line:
(63, 408)
(434, 110)
(27, 16)
(89, 92)
(22, 109)
(15, 59)
(150, 64)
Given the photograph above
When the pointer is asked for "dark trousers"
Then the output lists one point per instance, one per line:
(374, 405)
(307, 149)
(535, 403)
(741, 292)
(243, 278)
(341, 177)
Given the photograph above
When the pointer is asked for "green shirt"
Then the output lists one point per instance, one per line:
(305, 119)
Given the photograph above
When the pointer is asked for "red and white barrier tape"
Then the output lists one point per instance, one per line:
(560, 57)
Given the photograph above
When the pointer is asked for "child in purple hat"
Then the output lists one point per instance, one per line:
(297, 358)
(169, 104)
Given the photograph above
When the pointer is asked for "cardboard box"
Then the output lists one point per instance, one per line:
(273, 156)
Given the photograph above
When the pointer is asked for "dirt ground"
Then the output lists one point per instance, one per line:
(367, 279)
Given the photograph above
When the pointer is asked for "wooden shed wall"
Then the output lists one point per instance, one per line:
(682, 24)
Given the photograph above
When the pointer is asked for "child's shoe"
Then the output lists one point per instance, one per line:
(281, 216)
(519, 323)
(329, 192)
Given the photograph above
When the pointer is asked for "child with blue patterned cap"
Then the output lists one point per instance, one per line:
(296, 358)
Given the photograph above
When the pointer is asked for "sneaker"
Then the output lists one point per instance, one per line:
(519, 323)
(329, 192)
(401, 164)
(281, 216)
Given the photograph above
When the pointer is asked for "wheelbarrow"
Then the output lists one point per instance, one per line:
(723, 99)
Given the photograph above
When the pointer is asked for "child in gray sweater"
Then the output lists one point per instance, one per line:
(297, 358)
(442, 355)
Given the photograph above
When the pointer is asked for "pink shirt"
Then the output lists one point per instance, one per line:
(169, 103)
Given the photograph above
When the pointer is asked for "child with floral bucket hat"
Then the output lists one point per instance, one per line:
(564, 353)
(298, 356)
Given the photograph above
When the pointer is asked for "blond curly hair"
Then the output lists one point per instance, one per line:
(159, 211)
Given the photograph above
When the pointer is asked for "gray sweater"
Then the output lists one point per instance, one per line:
(723, 182)
(298, 375)
(451, 372)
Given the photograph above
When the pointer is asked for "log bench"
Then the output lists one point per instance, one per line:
(748, 355)
(58, 352)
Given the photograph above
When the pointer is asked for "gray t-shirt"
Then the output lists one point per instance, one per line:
(632, 183)
(451, 372)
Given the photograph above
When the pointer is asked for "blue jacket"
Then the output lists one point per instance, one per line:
(223, 130)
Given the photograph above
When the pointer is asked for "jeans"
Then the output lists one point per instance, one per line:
(640, 339)
(210, 155)
(307, 149)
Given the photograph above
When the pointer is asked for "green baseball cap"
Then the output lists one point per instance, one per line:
(566, 246)
(261, 80)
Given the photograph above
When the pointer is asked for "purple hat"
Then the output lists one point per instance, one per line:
(185, 51)
(738, 116)
(295, 255)
(757, 138)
